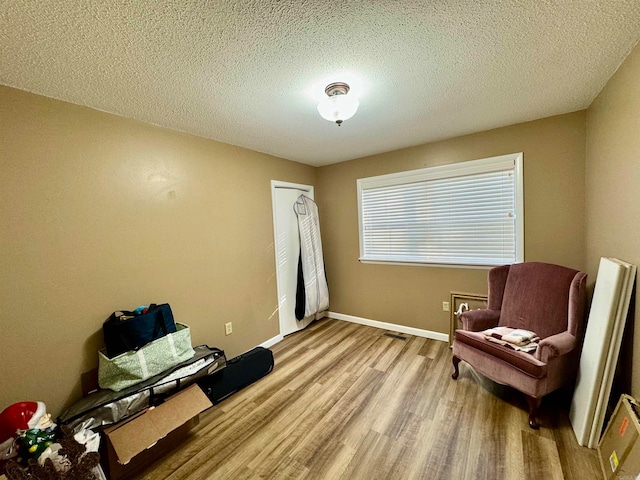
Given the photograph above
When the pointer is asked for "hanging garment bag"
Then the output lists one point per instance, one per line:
(311, 265)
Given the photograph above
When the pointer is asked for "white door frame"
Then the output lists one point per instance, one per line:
(276, 184)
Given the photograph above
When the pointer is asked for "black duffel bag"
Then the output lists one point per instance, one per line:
(125, 330)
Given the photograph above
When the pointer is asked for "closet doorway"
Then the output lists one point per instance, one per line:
(287, 251)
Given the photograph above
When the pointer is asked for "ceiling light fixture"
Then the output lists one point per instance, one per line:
(338, 106)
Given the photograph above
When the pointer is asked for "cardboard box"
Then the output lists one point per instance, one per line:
(619, 448)
(134, 442)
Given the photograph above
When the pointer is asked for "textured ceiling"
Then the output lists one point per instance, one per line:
(250, 73)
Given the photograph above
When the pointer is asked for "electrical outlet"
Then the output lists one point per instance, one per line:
(445, 306)
(228, 328)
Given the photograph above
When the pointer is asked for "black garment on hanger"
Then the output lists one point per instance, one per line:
(300, 293)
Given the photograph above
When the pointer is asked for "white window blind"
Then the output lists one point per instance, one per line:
(467, 213)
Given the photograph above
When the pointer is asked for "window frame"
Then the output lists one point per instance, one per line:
(502, 162)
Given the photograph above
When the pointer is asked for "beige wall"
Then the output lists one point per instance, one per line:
(613, 185)
(100, 213)
(554, 219)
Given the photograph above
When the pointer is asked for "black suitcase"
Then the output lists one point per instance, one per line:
(240, 372)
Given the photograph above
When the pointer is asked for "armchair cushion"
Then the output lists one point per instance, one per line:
(524, 362)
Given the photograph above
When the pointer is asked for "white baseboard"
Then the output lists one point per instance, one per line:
(418, 332)
(272, 341)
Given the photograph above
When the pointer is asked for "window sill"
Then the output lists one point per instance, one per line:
(426, 264)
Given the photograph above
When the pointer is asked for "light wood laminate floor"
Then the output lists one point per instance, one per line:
(347, 401)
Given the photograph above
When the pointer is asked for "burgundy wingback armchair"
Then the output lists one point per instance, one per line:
(544, 298)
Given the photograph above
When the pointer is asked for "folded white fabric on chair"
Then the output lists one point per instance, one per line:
(520, 337)
(498, 332)
(530, 347)
(515, 338)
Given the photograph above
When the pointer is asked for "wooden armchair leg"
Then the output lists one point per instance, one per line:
(456, 362)
(533, 404)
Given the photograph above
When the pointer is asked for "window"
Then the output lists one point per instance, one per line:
(468, 213)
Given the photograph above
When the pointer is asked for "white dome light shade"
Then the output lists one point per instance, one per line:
(338, 106)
